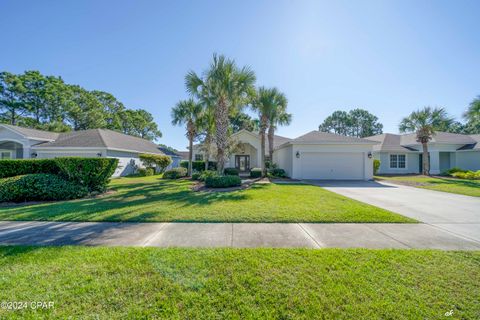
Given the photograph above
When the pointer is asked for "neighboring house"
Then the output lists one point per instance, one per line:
(183, 154)
(402, 154)
(315, 155)
(23, 143)
(176, 157)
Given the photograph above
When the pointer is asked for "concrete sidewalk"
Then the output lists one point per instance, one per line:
(241, 235)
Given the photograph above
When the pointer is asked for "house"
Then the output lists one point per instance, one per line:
(402, 154)
(315, 155)
(24, 143)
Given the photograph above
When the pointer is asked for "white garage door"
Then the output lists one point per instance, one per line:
(332, 165)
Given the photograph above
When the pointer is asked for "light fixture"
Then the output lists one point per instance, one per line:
(99, 154)
(34, 154)
(297, 155)
(369, 155)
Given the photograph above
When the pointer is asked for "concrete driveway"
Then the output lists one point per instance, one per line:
(455, 213)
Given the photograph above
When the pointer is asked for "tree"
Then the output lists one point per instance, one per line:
(84, 111)
(112, 109)
(139, 123)
(11, 91)
(35, 94)
(228, 88)
(278, 117)
(270, 105)
(208, 127)
(472, 116)
(425, 123)
(356, 123)
(188, 112)
(240, 121)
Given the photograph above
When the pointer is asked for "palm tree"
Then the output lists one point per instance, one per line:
(227, 88)
(208, 127)
(278, 117)
(264, 103)
(425, 123)
(188, 112)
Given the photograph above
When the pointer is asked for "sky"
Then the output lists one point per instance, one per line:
(388, 57)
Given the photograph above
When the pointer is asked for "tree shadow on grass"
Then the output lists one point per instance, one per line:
(457, 182)
(131, 202)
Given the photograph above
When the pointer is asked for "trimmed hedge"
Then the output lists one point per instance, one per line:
(223, 181)
(146, 172)
(38, 187)
(255, 172)
(208, 173)
(231, 171)
(92, 173)
(12, 168)
(155, 161)
(199, 165)
(469, 175)
(175, 173)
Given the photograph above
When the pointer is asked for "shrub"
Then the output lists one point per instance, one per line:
(196, 176)
(146, 172)
(223, 181)
(469, 175)
(175, 173)
(231, 171)
(155, 160)
(376, 165)
(278, 173)
(38, 187)
(11, 168)
(92, 173)
(208, 173)
(255, 172)
(453, 170)
(199, 165)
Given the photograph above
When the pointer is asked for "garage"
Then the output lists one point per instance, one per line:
(332, 165)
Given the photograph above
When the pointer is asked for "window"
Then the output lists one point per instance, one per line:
(398, 161)
(4, 154)
(198, 157)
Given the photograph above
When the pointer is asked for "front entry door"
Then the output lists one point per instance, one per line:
(242, 163)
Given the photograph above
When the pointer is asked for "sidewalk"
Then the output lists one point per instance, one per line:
(240, 235)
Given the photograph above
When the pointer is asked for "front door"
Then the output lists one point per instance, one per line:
(242, 163)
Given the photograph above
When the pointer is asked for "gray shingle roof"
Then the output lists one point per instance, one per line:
(397, 142)
(472, 146)
(32, 133)
(326, 137)
(102, 138)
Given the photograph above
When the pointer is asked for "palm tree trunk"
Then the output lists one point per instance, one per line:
(221, 121)
(426, 163)
(263, 128)
(207, 150)
(271, 132)
(190, 155)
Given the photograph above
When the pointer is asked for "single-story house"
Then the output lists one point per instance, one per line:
(175, 156)
(24, 143)
(315, 155)
(402, 154)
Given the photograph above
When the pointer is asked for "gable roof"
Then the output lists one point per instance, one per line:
(408, 142)
(101, 138)
(318, 137)
(33, 134)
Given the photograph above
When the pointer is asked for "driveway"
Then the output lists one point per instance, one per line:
(455, 213)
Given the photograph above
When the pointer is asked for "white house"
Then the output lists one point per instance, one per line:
(315, 155)
(402, 154)
(24, 143)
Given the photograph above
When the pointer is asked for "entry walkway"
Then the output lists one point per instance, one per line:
(240, 235)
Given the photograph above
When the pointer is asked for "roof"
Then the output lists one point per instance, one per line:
(318, 137)
(32, 133)
(183, 154)
(169, 152)
(102, 138)
(408, 142)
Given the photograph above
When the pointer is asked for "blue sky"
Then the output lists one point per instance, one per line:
(389, 57)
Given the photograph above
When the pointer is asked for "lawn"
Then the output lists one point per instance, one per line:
(126, 283)
(153, 199)
(445, 184)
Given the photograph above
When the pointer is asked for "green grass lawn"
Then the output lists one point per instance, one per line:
(147, 283)
(445, 184)
(153, 199)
